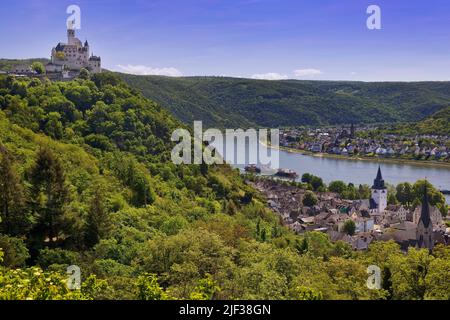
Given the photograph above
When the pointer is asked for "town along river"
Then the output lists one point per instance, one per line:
(363, 171)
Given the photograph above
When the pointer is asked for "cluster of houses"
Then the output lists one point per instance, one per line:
(374, 219)
(340, 141)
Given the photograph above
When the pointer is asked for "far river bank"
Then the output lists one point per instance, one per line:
(361, 158)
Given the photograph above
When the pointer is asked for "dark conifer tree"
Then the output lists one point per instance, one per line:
(98, 224)
(14, 220)
(49, 197)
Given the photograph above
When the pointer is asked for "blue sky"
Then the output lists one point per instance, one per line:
(273, 39)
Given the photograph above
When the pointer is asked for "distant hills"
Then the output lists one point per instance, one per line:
(7, 64)
(235, 102)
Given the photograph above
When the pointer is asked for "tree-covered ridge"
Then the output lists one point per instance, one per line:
(101, 112)
(233, 102)
(436, 124)
(85, 180)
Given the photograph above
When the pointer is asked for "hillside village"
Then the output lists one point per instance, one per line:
(356, 142)
(374, 219)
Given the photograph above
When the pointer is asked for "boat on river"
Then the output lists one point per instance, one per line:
(287, 173)
(252, 169)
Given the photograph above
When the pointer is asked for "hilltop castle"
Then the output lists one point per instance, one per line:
(73, 56)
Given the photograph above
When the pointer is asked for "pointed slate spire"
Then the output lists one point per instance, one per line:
(425, 212)
(379, 176)
(378, 183)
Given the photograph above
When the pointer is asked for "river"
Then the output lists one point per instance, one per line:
(363, 172)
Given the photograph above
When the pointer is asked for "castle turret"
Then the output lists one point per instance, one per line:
(424, 233)
(378, 201)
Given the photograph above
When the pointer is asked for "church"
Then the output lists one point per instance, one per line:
(418, 233)
(424, 233)
(378, 200)
(73, 56)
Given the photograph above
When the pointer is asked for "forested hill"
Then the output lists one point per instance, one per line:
(438, 123)
(233, 102)
(86, 179)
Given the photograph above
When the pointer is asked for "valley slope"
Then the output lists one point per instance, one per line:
(234, 102)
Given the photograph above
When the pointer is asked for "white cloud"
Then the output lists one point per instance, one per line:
(270, 76)
(307, 72)
(144, 70)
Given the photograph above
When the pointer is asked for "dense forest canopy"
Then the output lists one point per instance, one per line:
(86, 180)
(234, 102)
(436, 124)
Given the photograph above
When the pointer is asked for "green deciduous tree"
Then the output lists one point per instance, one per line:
(337, 186)
(53, 126)
(349, 227)
(392, 199)
(309, 199)
(364, 191)
(436, 280)
(84, 74)
(435, 196)
(148, 288)
(409, 273)
(405, 193)
(205, 289)
(38, 67)
(305, 293)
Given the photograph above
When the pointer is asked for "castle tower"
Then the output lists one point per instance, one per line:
(378, 201)
(71, 40)
(424, 233)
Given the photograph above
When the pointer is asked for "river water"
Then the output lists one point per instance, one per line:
(363, 172)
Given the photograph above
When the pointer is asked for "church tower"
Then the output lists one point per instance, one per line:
(424, 233)
(352, 131)
(378, 201)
